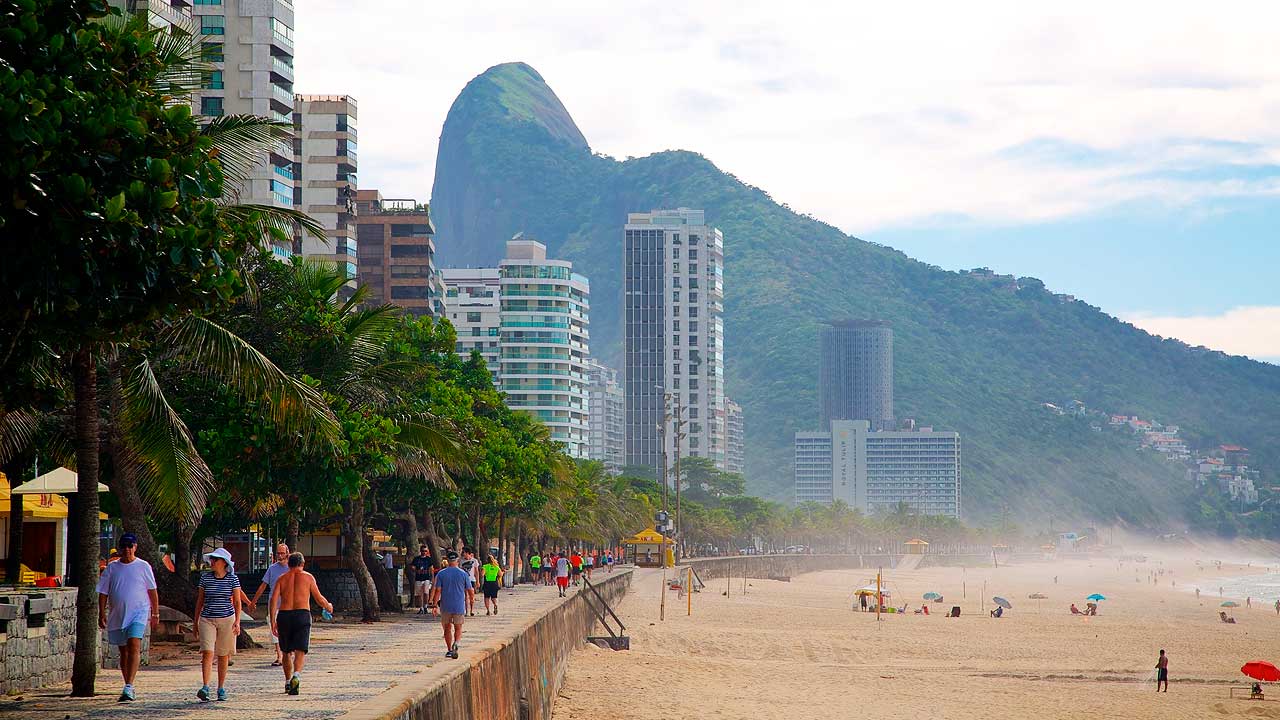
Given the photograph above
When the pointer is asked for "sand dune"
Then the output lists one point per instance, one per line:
(790, 650)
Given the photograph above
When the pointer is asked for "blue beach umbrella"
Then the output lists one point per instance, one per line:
(932, 596)
(1002, 602)
(1096, 597)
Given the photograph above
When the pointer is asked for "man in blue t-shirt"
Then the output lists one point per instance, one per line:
(453, 590)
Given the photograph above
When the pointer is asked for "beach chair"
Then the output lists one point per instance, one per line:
(955, 611)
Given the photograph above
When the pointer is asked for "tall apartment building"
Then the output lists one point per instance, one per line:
(542, 340)
(395, 255)
(173, 15)
(249, 44)
(471, 304)
(735, 433)
(606, 439)
(855, 373)
(673, 285)
(875, 470)
(324, 171)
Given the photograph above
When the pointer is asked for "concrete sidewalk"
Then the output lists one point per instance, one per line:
(349, 663)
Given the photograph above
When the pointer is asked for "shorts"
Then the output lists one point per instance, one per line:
(490, 589)
(1162, 675)
(577, 571)
(421, 586)
(294, 627)
(120, 636)
(563, 581)
(216, 636)
(448, 618)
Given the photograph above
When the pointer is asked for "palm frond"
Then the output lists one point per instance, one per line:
(433, 435)
(222, 356)
(171, 474)
(272, 222)
(18, 430)
(240, 141)
(185, 63)
(414, 464)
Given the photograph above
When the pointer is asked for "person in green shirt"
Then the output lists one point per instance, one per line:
(491, 572)
(535, 570)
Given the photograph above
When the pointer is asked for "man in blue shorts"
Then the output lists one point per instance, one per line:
(128, 587)
(453, 590)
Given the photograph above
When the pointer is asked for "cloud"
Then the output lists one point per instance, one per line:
(860, 114)
(1252, 331)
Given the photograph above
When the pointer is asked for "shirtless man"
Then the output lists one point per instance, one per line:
(291, 619)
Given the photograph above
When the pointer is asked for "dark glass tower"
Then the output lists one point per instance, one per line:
(855, 375)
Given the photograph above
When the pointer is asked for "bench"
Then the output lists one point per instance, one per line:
(1246, 692)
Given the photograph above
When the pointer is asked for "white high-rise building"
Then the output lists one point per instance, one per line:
(735, 432)
(471, 304)
(605, 436)
(249, 44)
(324, 169)
(874, 470)
(531, 316)
(673, 307)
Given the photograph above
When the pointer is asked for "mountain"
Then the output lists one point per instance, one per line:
(974, 351)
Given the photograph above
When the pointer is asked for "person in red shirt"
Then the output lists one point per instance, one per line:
(575, 565)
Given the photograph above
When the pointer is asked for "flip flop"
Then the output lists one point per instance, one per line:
(275, 663)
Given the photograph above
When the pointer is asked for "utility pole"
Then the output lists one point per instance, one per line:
(679, 436)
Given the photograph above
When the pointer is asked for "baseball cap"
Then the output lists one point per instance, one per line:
(128, 540)
(452, 555)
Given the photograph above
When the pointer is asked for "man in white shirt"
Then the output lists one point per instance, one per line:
(278, 568)
(128, 586)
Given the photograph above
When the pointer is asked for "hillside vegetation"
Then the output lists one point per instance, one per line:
(973, 353)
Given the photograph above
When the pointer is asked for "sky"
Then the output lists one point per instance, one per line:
(1125, 153)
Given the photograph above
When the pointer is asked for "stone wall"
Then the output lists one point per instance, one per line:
(766, 566)
(338, 587)
(515, 676)
(36, 649)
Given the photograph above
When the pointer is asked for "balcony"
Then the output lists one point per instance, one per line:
(283, 96)
(282, 67)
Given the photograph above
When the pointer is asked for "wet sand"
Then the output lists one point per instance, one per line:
(792, 650)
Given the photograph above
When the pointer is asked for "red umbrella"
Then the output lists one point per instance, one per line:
(1261, 670)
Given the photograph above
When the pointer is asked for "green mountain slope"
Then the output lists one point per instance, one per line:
(973, 354)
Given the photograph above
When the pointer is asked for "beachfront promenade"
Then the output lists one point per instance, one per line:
(353, 670)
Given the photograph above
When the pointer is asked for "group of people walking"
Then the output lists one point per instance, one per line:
(565, 567)
(451, 590)
(128, 602)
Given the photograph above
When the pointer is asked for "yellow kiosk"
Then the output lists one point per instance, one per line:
(646, 548)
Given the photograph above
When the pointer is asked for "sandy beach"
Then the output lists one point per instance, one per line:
(791, 650)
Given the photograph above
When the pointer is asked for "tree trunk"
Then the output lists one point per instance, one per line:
(433, 540)
(412, 538)
(183, 535)
(292, 532)
(84, 671)
(353, 553)
(388, 598)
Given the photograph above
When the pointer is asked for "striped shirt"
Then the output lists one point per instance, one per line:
(218, 594)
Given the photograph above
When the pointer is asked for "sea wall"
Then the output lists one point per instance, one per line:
(37, 637)
(767, 566)
(513, 676)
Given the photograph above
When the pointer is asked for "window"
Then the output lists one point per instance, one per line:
(693, 311)
(675, 325)
(410, 292)
(675, 253)
(675, 354)
(675, 340)
(409, 229)
(473, 317)
(693, 339)
(493, 332)
(212, 52)
(340, 122)
(675, 267)
(693, 369)
(693, 283)
(210, 106)
(207, 2)
(213, 81)
(675, 282)
(693, 297)
(693, 385)
(212, 25)
(693, 268)
(693, 411)
(404, 251)
(693, 254)
(693, 239)
(693, 326)
(675, 296)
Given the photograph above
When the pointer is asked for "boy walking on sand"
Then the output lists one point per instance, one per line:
(1162, 672)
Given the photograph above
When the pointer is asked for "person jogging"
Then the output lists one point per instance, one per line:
(575, 565)
(273, 573)
(291, 619)
(608, 561)
(128, 587)
(218, 604)
(422, 567)
(588, 562)
(562, 573)
(548, 569)
(535, 566)
(491, 571)
(451, 591)
(471, 566)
